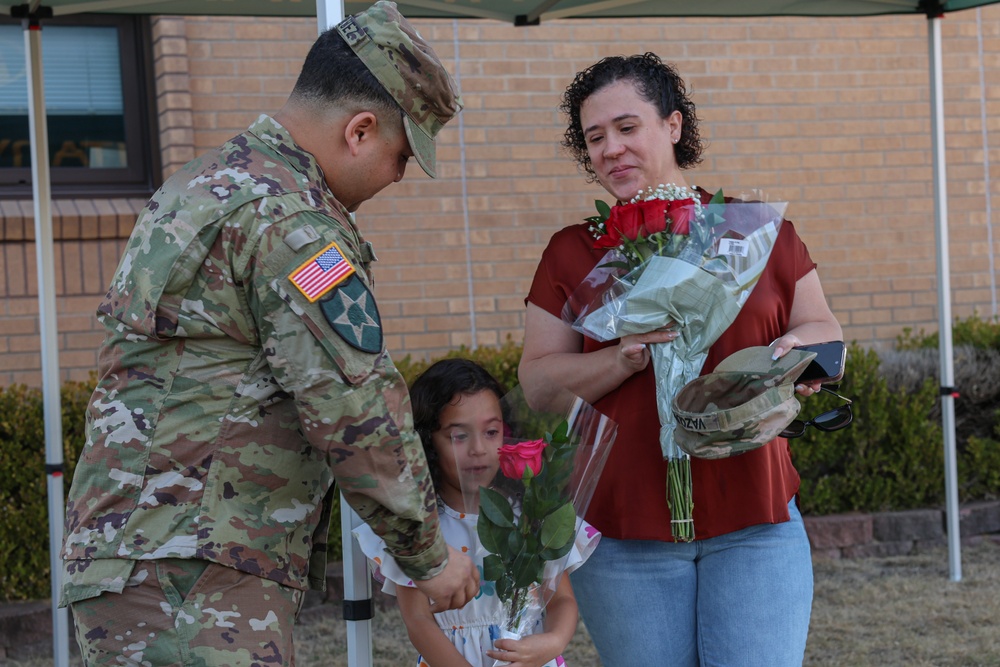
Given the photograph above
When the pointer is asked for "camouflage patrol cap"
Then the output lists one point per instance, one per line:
(743, 404)
(409, 69)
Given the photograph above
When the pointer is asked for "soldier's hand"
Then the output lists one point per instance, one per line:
(457, 584)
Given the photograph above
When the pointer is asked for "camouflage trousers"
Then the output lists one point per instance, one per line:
(189, 613)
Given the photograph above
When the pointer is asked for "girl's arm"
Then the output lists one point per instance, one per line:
(423, 630)
(560, 623)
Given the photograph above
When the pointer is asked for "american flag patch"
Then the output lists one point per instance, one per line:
(321, 273)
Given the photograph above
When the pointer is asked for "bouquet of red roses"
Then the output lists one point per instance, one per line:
(674, 261)
(530, 516)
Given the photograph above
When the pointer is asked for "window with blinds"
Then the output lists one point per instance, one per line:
(97, 106)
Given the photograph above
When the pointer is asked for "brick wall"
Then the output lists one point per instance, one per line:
(90, 236)
(832, 115)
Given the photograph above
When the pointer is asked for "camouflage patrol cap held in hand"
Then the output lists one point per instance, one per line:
(743, 404)
(409, 69)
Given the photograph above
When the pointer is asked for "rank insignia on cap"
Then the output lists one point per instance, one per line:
(352, 313)
(321, 273)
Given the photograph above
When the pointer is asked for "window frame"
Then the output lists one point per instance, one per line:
(142, 175)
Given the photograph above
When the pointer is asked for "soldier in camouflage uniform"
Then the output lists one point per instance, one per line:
(244, 371)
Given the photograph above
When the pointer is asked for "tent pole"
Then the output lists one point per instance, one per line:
(358, 607)
(945, 350)
(52, 410)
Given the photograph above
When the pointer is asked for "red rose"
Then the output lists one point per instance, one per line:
(611, 239)
(645, 218)
(627, 220)
(624, 222)
(654, 215)
(681, 213)
(515, 458)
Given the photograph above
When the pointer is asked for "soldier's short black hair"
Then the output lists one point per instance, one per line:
(656, 81)
(441, 384)
(333, 74)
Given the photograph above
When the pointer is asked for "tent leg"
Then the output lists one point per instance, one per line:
(47, 323)
(945, 346)
(358, 608)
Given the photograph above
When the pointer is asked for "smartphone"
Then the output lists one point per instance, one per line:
(828, 366)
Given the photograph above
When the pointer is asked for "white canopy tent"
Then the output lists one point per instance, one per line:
(518, 12)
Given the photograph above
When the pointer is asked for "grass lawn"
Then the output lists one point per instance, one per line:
(874, 612)
(902, 610)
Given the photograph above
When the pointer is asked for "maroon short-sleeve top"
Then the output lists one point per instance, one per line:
(729, 494)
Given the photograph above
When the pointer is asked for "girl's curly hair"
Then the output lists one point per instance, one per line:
(656, 81)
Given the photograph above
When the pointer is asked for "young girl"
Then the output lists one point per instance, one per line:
(456, 411)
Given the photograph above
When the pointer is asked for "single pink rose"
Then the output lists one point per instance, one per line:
(515, 458)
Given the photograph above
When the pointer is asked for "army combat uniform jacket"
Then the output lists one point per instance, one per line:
(243, 370)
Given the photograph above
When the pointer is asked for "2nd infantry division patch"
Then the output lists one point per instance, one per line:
(352, 313)
(321, 273)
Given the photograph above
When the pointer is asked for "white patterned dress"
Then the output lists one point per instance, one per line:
(473, 627)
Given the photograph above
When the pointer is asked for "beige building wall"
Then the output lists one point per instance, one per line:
(832, 115)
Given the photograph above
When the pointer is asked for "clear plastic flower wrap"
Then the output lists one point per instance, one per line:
(673, 261)
(530, 524)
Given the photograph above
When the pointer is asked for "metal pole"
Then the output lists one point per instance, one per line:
(358, 607)
(328, 14)
(944, 301)
(42, 194)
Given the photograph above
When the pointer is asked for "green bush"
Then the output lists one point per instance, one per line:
(979, 467)
(891, 457)
(974, 331)
(24, 517)
(976, 364)
(501, 362)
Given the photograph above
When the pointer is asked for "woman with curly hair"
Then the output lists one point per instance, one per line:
(740, 593)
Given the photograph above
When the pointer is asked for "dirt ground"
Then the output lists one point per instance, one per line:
(867, 612)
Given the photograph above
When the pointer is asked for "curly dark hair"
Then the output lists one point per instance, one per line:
(442, 384)
(657, 82)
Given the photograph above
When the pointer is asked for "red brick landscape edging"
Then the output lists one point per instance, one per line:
(896, 533)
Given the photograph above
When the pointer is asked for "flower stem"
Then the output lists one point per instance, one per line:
(680, 498)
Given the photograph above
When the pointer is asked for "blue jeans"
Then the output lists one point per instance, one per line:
(741, 599)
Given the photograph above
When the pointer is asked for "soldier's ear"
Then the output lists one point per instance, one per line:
(359, 130)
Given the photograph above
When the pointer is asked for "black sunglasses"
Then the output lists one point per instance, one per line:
(832, 420)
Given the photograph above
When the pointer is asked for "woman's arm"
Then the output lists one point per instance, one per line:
(552, 360)
(561, 618)
(423, 630)
(810, 321)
